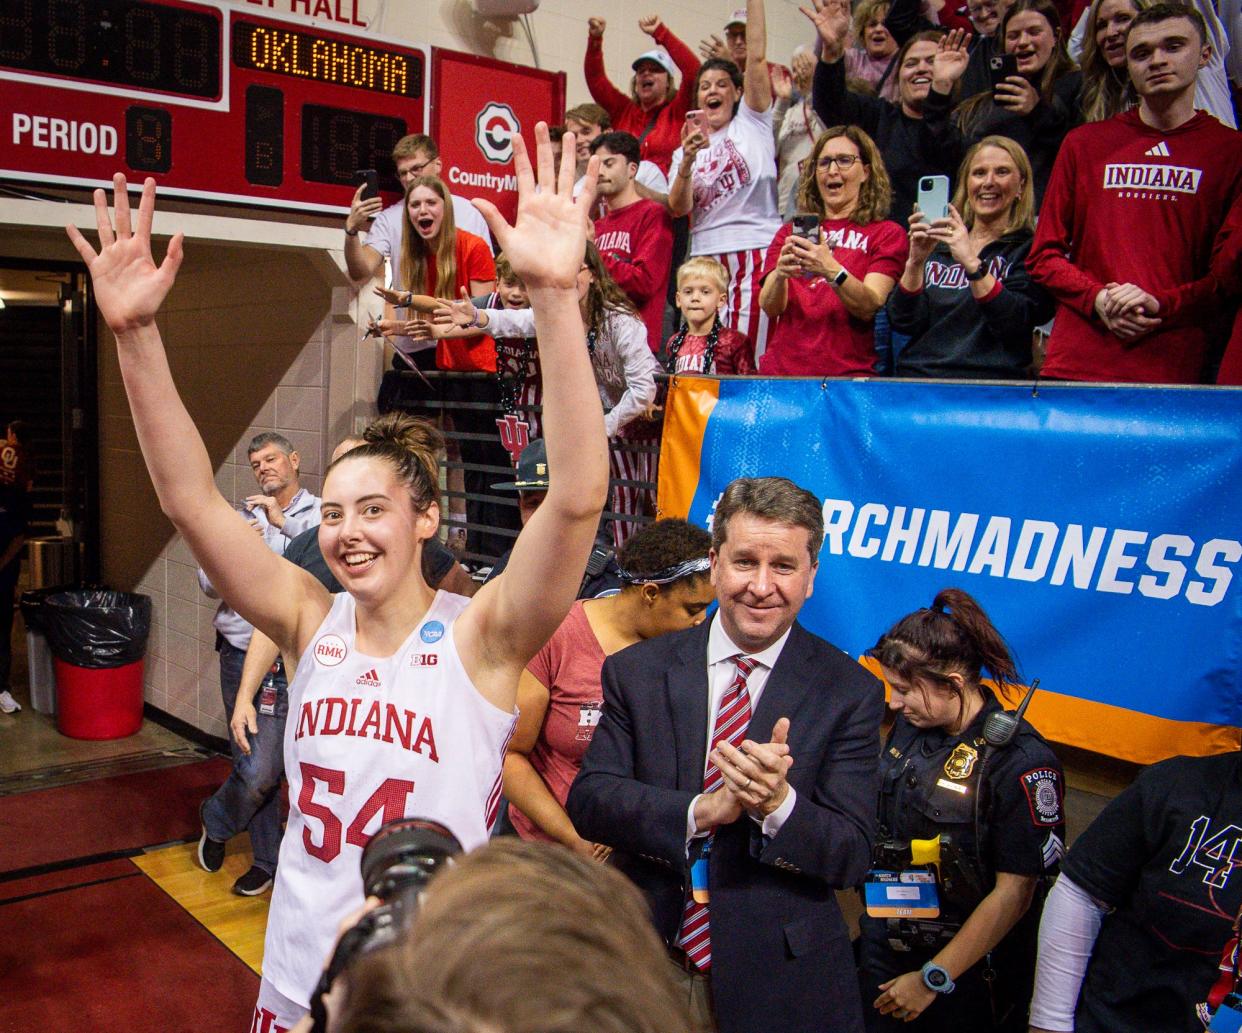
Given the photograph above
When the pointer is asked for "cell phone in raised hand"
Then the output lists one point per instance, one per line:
(371, 178)
(1000, 67)
(697, 121)
(934, 197)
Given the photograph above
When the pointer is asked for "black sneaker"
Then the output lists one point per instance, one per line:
(253, 883)
(210, 851)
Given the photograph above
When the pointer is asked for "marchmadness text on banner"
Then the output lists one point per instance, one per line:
(1100, 527)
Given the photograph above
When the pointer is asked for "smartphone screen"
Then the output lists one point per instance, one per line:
(806, 225)
(371, 178)
(934, 197)
(1000, 67)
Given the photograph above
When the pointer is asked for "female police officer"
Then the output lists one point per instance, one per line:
(970, 822)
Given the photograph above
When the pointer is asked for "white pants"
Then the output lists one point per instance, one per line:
(274, 1012)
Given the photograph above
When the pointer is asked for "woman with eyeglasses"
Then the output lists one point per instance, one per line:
(1036, 107)
(822, 289)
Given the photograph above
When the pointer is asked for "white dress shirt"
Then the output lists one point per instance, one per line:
(721, 671)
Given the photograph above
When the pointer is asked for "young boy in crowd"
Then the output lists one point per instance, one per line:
(517, 360)
(704, 344)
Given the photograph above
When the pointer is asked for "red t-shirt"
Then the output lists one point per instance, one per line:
(734, 355)
(815, 336)
(474, 262)
(658, 131)
(569, 668)
(636, 244)
(1133, 204)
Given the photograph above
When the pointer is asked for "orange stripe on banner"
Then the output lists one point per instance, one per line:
(690, 402)
(1114, 731)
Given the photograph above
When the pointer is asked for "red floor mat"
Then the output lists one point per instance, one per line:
(112, 953)
(106, 816)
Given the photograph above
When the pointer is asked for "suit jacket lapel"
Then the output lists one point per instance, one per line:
(685, 683)
(785, 688)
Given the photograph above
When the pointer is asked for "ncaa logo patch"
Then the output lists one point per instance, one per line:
(432, 632)
(494, 128)
(330, 650)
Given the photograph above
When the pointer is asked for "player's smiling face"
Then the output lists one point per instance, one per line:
(370, 530)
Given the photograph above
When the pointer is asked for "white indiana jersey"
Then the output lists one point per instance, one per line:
(369, 740)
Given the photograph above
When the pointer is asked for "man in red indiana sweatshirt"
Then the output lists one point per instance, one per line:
(1125, 235)
(635, 236)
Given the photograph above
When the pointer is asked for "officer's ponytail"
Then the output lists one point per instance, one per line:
(953, 636)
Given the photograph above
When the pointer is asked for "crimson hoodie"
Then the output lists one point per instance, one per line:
(1128, 203)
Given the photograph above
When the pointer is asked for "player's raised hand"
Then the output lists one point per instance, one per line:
(547, 240)
(129, 286)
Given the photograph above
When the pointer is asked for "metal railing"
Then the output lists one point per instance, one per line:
(491, 522)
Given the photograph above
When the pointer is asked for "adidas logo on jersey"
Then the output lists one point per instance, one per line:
(1161, 150)
(370, 680)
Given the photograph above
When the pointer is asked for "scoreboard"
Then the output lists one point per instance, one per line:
(214, 102)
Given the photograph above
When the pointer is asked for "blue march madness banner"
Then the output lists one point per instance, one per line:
(1100, 527)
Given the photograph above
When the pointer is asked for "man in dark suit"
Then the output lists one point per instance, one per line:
(777, 813)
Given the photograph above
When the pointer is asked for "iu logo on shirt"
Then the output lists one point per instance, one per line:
(330, 650)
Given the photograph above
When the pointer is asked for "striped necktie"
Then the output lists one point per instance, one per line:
(732, 720)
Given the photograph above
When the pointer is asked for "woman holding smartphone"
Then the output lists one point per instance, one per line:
(724, 174)
(1035, 107)
(829, 272)
(439, 672)
(965, 298)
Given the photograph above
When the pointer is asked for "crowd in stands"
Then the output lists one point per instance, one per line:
(1010, 189)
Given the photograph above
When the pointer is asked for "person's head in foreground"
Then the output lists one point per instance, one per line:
(520, 937)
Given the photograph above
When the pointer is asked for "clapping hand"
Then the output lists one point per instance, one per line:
(782, 84)
(831, 19)
(129, 287)
(755, 774)
(803, 65)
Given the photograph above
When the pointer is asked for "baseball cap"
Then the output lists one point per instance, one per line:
(532, 469)
(739, 18)
(660, 57)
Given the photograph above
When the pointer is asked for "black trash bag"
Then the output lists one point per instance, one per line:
(32, 605)
(96, 628)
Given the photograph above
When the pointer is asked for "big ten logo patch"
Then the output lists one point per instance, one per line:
(589, 714)
(494, 128)
(330, 650)
(424, 659)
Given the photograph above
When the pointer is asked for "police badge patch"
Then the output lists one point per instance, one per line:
(1044, 794)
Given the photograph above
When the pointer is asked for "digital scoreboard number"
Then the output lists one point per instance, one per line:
(211, 100)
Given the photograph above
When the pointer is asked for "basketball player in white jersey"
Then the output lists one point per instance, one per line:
(404, 698)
